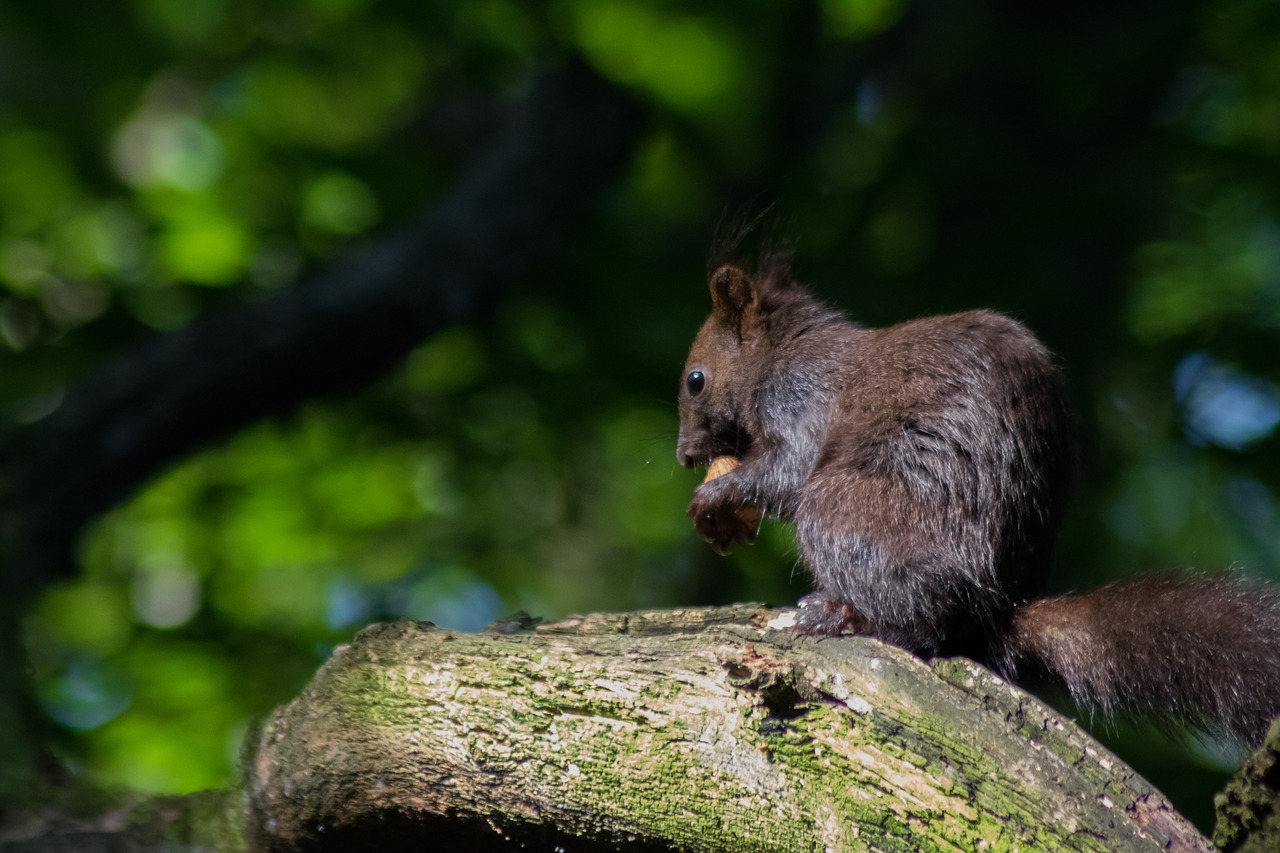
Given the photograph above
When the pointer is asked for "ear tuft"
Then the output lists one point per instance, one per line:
(774, 271)
(732, 294)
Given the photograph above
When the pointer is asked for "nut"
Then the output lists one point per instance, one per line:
(720, 466)
(749, 515)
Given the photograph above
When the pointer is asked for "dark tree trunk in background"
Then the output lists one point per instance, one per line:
(336, 332)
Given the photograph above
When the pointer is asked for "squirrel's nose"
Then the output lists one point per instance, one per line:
(684, 456)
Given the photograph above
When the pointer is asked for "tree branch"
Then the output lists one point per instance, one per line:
(700, 730)
(697, 730)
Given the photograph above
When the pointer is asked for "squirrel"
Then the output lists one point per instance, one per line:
(926, 468)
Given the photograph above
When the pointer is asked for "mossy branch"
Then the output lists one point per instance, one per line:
(703, 730)
(716, 729)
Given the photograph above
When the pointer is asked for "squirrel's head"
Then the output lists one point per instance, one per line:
(723, 369)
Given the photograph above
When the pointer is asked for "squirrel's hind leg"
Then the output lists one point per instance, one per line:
(825, 615)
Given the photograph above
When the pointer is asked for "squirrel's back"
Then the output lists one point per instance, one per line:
(935, 502)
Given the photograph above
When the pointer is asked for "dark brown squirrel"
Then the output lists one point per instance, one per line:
(926, 468)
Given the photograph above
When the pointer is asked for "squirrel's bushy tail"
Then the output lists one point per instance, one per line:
(1201, 650)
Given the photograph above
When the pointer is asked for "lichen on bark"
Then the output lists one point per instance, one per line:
(691, 730)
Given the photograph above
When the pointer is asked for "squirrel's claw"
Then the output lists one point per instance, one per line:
(719, 525)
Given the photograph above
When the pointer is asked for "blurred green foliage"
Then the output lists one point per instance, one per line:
(1110, 176)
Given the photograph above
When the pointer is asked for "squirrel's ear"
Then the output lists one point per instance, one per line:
(732, 296)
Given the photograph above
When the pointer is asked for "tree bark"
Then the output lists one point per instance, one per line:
(714, 729)
(699, 730)
(1249, 809)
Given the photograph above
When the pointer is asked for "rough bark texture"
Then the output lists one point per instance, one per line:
(699, 730)
(1249, 809)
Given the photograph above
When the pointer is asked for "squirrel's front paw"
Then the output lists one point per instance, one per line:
(721, 523)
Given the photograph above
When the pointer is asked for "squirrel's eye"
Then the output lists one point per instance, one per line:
(695, 382)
